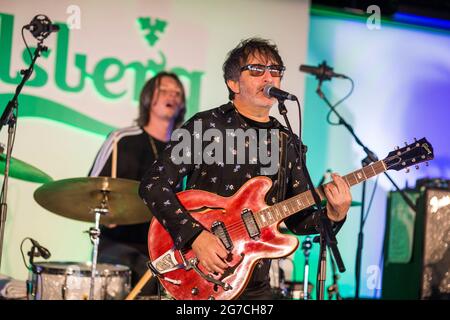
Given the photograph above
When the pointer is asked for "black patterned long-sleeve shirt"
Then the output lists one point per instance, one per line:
(158, 185)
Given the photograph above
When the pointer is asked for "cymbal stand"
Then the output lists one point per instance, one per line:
(94, 234)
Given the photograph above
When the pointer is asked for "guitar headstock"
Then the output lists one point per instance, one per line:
(412, 154)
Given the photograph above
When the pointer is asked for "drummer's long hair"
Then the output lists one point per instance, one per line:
(146, 98)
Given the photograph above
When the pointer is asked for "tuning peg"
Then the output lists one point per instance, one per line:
(417, 167)
(397, 147)
(406, 144)
(407, 170)
(426, 164)
(415, 139)
(417, 143)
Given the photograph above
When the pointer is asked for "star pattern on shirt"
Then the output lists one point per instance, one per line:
(220, 178)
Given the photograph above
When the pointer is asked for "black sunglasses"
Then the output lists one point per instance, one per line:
(257, 70)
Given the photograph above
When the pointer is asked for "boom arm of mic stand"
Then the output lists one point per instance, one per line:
(8, 112)
(369, 153)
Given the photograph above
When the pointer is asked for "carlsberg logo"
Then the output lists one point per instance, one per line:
(102, 74)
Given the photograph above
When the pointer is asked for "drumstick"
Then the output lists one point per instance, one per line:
(145, 278)
(114, 158)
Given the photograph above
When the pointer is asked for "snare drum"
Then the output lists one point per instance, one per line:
(72, 281)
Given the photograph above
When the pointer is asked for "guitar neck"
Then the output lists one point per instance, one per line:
(304, 200)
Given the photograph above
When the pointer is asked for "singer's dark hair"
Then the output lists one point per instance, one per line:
(240, 55)
(146, 98)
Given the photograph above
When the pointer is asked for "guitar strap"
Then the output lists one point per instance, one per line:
(281, 179)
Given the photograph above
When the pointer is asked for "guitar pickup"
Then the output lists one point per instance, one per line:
(250, 224)
(219, 230)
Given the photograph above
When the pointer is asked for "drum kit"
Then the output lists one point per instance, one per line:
(102, 200)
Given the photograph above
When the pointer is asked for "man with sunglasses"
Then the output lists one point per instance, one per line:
(249, 67)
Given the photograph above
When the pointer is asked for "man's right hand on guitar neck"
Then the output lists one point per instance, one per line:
(210, 252)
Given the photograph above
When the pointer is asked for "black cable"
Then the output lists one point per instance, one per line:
(300, 153)
(23, 255)
(26, 45)
(340, 101)
(371, 200)
(158, 289)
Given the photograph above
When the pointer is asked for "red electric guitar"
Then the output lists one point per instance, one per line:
(248, 228)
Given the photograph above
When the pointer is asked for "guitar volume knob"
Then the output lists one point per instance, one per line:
(194, 291)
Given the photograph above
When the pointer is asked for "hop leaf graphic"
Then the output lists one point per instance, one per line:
(152, 31)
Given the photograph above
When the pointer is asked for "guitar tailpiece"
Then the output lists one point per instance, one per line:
(159, 275)
(193, 263)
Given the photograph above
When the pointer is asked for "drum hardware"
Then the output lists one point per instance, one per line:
(94, 234)
(79, 198)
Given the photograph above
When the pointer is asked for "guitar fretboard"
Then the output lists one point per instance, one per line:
(286, 208)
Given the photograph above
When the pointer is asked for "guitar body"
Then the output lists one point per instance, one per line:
(208, 208)
(249, 235)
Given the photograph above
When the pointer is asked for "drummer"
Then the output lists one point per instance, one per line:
(161, 110)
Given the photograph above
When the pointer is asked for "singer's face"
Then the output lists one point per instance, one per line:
(167, 100)
(249, 89)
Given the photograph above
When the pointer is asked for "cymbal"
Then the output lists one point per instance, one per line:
(77, 197)
(23, 171)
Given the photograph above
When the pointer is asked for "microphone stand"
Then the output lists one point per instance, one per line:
(9, 118)
(306, 246)
(327, 237)
(334, 288)
(371, 157)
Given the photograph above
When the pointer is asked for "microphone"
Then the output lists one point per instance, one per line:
(322, 72)
(42, 251)
(273, 92)
(41, 27)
